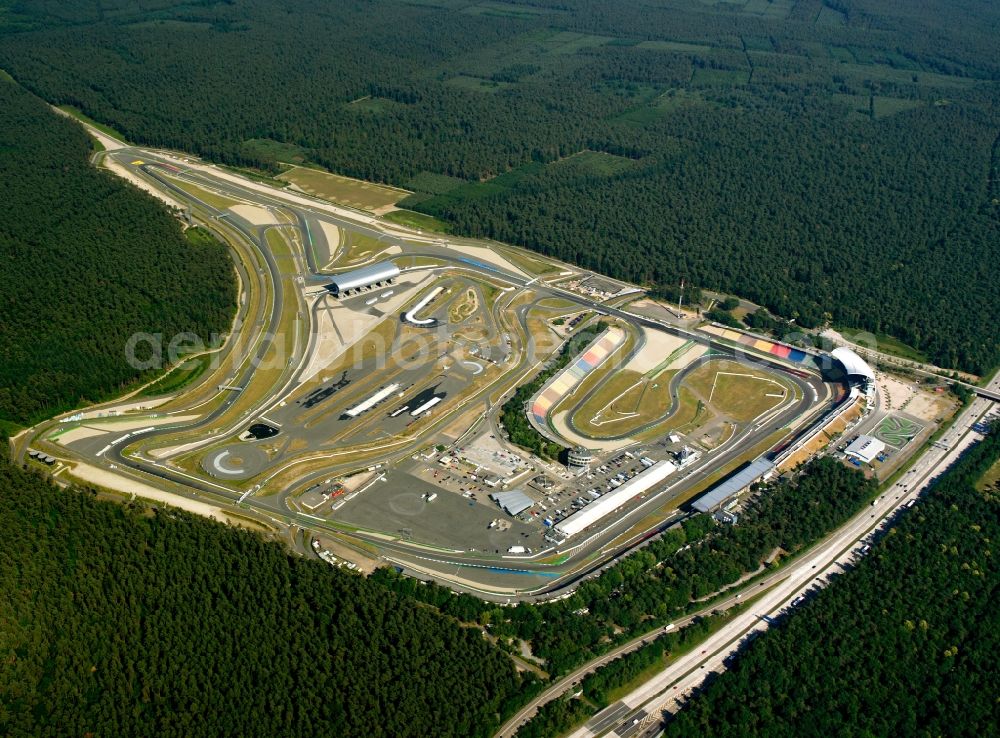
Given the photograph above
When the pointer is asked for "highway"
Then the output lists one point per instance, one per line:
(667, 690)
(638, 713)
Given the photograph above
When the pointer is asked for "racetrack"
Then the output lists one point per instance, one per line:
(231, 412)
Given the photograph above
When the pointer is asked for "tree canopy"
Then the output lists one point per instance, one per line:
(905, 644)
(816, 157)
(124, 620)
(88, 261)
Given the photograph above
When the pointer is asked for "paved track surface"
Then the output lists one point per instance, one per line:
(159, 169)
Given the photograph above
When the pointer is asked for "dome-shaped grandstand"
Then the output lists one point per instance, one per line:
(857, 368)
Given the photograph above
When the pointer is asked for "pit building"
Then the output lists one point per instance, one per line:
(373, 275)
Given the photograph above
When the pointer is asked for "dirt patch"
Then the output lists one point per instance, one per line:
(119, 483)
(659, 345)
(80, 433)
(332, 234)
(256, 215)
(339, 327)
(896, 393)
(142, 184)
(488, 256)
(925, 406)
(688, 357)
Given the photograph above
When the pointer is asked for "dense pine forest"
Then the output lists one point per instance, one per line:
(829, 159)
(126, 621)
(134, 621)
(906, 644)
(88, 261)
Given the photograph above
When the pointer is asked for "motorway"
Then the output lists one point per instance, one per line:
(814, 394)
(639, 712)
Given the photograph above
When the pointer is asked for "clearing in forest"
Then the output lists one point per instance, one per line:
(354, 193)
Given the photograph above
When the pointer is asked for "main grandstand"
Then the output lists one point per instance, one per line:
(613, 500)
(858, 371)
(729, 488)
(372, 275)
(562, 383)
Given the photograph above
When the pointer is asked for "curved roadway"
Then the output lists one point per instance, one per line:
(810, 386)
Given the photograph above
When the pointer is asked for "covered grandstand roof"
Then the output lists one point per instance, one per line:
(611, 501)
(364, 277)
(732, 486)
(854, 365)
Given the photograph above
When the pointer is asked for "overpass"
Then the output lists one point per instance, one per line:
(983, 392)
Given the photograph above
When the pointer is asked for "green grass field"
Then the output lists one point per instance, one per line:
(356, 246)
(186, 373)
(266, 148)
(469, 191)
(477, 84)
(568, 42)
(9, 427)
(669, 101)
(374, 105)
(525, 261)
(706, 77)
(990, 479)
(678, 46)
(736, 390)
(505, 10)
(830, 18)
(630, 402)
(594, 163)
(769, 8)
(219, 202)
(417, 220)
(889, 345)
(79, 115)
(434, 184)
(343, 190)
(886, 106)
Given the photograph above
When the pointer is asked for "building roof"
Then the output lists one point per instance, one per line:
(611, 501)
(363, 277)
(865, 448)
(854, 365)
(732, 486)
(513, 502)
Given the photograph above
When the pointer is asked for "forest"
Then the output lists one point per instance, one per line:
(560, 716)
(832, 160)
(128, 620)
(88, 261)
(905, 644)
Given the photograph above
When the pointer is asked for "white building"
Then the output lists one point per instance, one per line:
(866, 449)
(856, 368)
(610, 502)
(369, 276)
